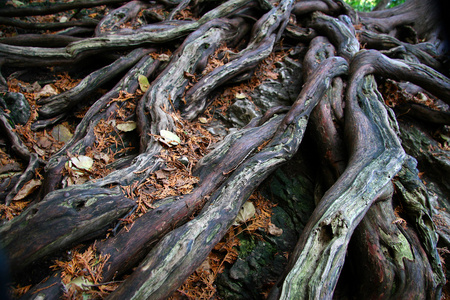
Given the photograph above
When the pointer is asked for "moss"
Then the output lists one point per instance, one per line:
(246, 247)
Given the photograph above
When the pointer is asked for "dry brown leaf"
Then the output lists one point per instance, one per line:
(102, 156)
(47, 91)
(44, 142)
(274, 230)
(160, 174)
(27, 189)
(272, 75)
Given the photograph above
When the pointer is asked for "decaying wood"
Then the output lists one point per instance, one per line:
(417, 201)
(83, 214)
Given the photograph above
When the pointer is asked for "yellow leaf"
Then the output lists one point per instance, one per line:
(143, 83)
(126, 126)
(240, 96)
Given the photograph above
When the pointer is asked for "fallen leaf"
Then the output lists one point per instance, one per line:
(126, 126)
(189, 75)
(143, 83)
(184, 160)
(180, 182)
(75, 171)
(102, 156)
(47, 91)
(82, 162)
(246, 212)
(61, 133)
(163, 57)
(44, 142)
(271, 75)
(27, 189)
(274, 230)
(205, 265)
(169, 138)
(35, 87)
(203, 120)
(170, 169)
(77, 180)
(240, 96)
(111, 122)
(160, 174)
(81, 282)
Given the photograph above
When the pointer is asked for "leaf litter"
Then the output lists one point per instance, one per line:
(82, 274)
